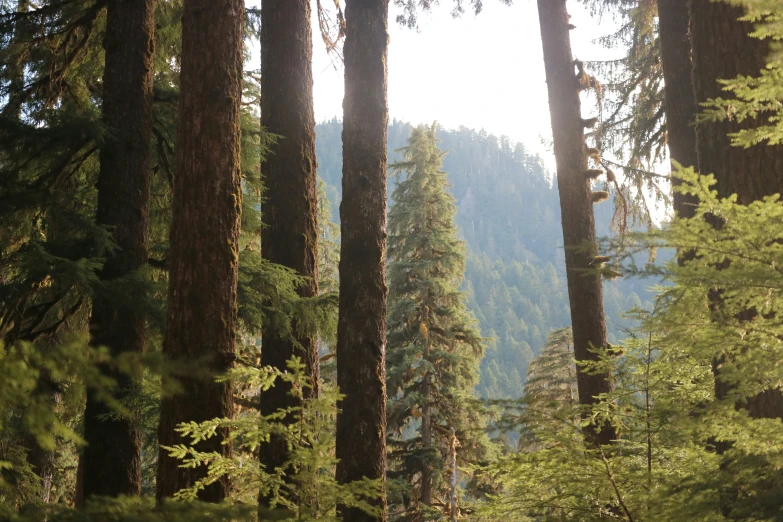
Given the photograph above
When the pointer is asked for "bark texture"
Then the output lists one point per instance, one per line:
(204, 257)
(291, 205)
(112, 457)
(722, 49)
(585, 293)
(679, 99)
(426, 432)
(361, 330)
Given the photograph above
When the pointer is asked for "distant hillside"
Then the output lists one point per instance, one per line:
(509, 215)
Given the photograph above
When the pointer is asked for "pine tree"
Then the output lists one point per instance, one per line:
(204, 254)
(576, 205)
(112, 458)
(361, 328)
(434, 345)
(289, 172)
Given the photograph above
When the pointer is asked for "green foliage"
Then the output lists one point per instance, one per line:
(434, 347)
(305, 488)
(51, 252)
(684, 451)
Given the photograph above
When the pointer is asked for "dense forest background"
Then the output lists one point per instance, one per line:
(509, 215)
(194, 326)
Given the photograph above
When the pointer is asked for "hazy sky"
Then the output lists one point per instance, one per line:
(482, 71)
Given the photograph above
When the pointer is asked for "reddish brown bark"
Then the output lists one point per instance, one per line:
(361, 330)
(290, 181)
(679, 100)
(584, 285)
(203, 257)
(112, 458)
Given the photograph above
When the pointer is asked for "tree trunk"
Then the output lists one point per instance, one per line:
(584, 285)
(679, 100)
(722, 49)
(291, 206)
(426, 433)
(112, 457)
(361, 330)
(204, 257)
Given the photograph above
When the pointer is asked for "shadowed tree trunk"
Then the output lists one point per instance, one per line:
(679, 100)
(112, 458)
(204, 257)
(722, 49)
(361, 330)
(291, 206)
(585, 293)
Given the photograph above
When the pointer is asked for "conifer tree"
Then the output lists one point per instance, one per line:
(328, 244)
(361, 328)
(585, 292)
(550, 388)
(290, 206)
(434, 345)
(204, 253)
(112, 458)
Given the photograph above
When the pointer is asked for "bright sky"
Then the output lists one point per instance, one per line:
(482, 71)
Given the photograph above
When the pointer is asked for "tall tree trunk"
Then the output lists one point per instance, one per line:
(291, 205)
(679, 100)
(204, 257)
(112, 458)
(584, 286)
(361, 330)
(722, 49)
(426, 433)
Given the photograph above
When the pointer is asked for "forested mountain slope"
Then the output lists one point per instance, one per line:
(509, 214)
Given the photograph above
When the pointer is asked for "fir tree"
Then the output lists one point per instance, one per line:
(434, 344)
